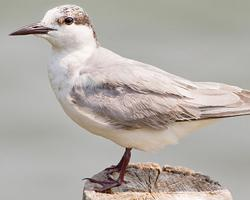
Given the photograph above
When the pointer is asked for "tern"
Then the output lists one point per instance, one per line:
(133, 104)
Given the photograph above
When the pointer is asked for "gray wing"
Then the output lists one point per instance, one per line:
(126, 108)
(132, 95)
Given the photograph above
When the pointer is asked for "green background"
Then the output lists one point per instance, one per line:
(44, 155)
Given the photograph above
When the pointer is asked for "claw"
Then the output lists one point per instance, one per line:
(112, 169)
(106, 185)
(97, 181)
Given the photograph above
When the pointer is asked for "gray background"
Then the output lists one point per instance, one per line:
(44, 155)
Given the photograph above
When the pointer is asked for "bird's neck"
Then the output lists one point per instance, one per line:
(73, 55)
(65, 66)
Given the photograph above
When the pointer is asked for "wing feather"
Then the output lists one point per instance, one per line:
(132, 95)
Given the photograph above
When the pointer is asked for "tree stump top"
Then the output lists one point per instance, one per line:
(150, 181)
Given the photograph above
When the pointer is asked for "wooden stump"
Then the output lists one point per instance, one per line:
(148, 181)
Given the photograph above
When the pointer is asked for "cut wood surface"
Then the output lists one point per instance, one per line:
(146, 181)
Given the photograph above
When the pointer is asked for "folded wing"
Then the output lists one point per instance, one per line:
(133, 95)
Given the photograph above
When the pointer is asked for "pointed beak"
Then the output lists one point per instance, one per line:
(32, 29)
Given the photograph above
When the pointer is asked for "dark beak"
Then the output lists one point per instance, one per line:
(33, 29)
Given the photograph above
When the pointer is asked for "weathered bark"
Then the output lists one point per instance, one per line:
(148, 181)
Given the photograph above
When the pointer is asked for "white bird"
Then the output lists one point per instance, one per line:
(135, 105)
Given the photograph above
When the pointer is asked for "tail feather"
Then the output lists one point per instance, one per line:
(221, 100)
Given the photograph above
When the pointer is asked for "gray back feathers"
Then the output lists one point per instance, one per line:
(133, 95)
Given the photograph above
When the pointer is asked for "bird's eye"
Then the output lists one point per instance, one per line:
(69, 20)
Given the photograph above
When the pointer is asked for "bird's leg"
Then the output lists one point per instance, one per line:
(117, 168)
(126, 159)
(108, 184)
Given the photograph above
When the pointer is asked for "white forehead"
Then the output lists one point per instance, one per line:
(65, 10)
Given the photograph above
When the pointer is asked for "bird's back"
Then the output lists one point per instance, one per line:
(207, 99)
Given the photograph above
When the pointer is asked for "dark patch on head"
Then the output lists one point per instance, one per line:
(80, 17)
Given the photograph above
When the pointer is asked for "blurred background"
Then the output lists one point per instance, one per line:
(44, 155)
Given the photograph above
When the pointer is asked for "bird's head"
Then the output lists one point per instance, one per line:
(64, 26)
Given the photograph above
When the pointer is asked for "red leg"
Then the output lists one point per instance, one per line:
(126, 159)
(117, 168)
(110, 183)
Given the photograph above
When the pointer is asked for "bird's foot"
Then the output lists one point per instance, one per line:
(106, 184)
(114, 168)
(109, 182)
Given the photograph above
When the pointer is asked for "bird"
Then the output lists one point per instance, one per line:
(135, 105)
